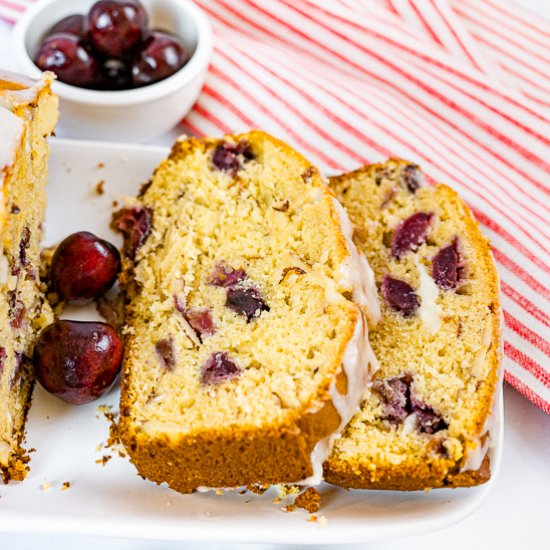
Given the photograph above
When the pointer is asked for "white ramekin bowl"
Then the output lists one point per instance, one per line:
(139, 115)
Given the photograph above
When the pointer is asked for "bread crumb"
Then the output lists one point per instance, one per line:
(104, 459)
(66, 485)
(98, 447)
(100, 165)
(309, 500)
(45, 486)
(287, 490)
(115, 204)
(100, 187)
(219, 492)
(312, 518)
(258, 489)
(289, 508)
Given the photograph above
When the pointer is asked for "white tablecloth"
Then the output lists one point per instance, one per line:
(516, 514)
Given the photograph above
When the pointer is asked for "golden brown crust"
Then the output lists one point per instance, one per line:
(231, 459)
(17, 467)
(309, 500)
(407, 476)
(434, 470)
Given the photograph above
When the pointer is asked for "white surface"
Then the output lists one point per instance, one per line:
(136, 116)
(112, 500)
(515, 515)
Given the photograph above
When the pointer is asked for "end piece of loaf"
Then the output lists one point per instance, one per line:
(426, 418)
(28, 114)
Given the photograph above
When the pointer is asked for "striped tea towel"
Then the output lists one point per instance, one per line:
(459, 86)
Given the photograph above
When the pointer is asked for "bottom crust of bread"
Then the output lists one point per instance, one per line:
(411, 476)
(17, 467)
(280, 455)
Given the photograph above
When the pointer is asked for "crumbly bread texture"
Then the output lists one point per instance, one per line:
(426, 418)
(239, 315)
(28, 114)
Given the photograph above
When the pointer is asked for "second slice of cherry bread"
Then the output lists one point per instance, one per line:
(427, 417)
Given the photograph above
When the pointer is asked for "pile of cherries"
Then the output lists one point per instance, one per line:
(110, 48)
(78, 361)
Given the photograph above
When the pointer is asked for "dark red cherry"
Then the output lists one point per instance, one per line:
(400, 296)
(115, 75)
(246, 301)
(72, 24)
(78, 361)
(448, 266)
(84, 267)
(116, 27)
(135, 225)
(162, 55)
(410, 234)
(64, 55)
(218, 368)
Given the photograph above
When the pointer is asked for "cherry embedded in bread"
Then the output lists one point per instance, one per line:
(219, 368)
(229, 157)
(447, 267)
(400, 296)
(165, 353)
(410, 234)
(116, 27)
(246, 301)
(84, 267)
(161, 56)
(78, 361)
(412, 178)
(135, 225)
(225, 276)
(64, 55)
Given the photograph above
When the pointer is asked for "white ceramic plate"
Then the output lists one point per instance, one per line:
(112, 500)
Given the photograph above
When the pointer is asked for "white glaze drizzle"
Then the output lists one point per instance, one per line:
(18, 89)
(489, 435)
(359, 363)
(4, 269)
(429, 310)
(356, 272)
(11, 127)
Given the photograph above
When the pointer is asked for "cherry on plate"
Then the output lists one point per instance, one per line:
(78, 361)
(72, 24)
(116, 27)
(64, 54)
(84, 267)
(162, 55)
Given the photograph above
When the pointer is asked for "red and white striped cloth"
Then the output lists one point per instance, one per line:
(459, 86)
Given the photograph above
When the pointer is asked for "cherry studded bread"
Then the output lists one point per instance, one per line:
(426, 419)
(28, 113)
(246, 351)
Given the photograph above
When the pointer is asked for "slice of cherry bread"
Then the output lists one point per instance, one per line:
(28, 114)
(246, 350)
(426, 417)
